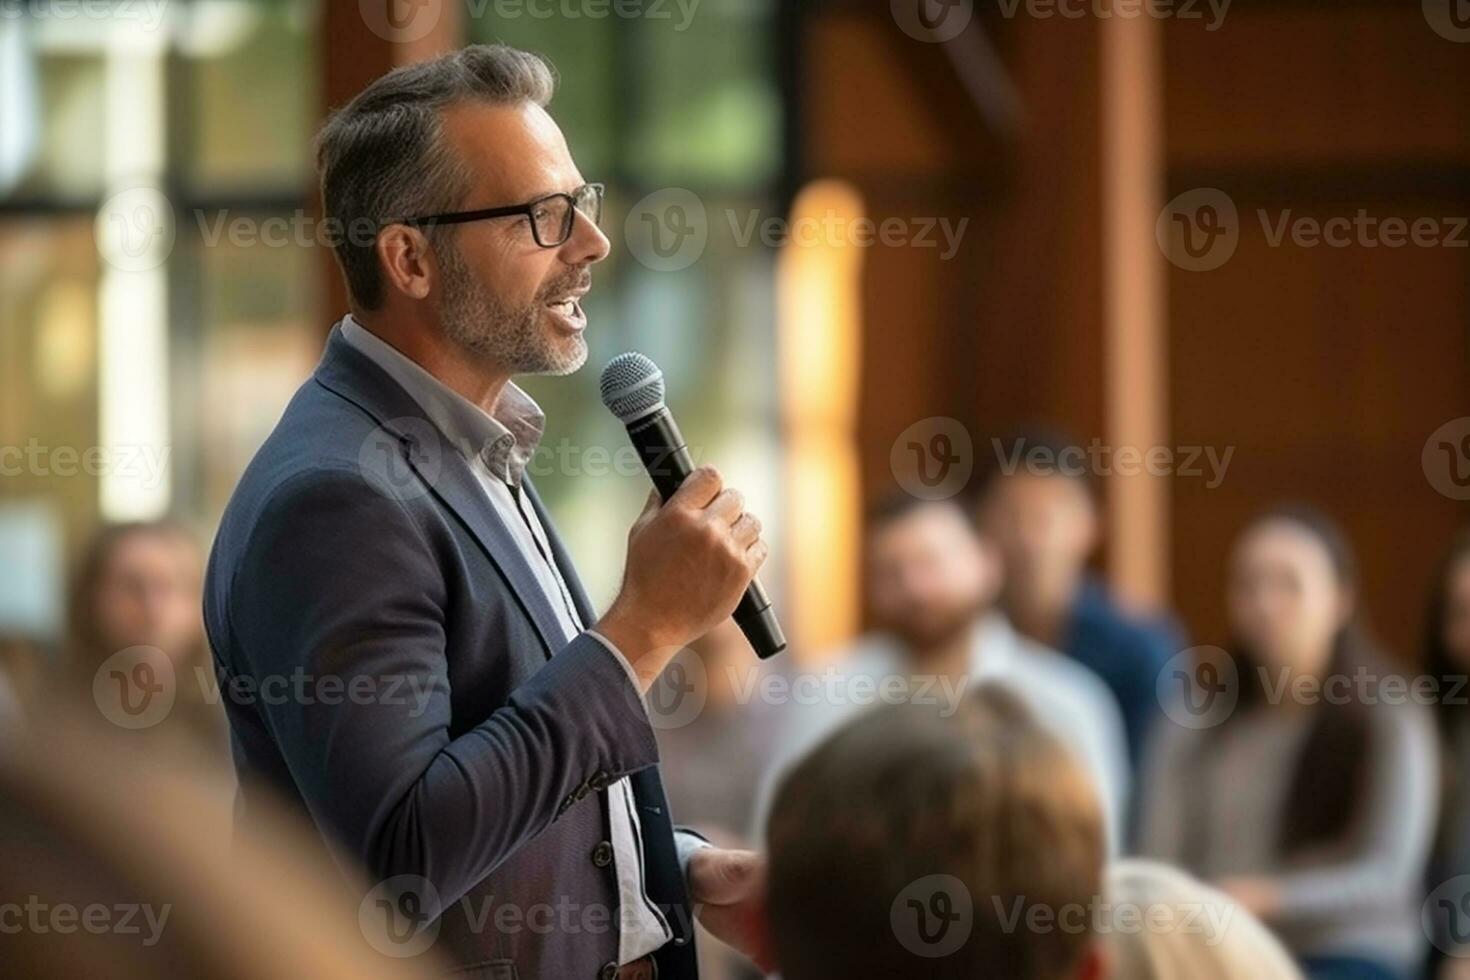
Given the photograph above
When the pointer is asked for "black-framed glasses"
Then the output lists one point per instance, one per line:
(552, 216)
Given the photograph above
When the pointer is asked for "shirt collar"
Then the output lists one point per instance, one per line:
(502, 441)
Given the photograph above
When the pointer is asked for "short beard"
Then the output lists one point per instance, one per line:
(513, 339)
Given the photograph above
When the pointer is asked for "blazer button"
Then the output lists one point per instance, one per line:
(581, 792)
(609, 971)
(599, 781)
(602, 854)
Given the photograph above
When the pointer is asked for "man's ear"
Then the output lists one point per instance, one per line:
(1095, 964)
(406, 260)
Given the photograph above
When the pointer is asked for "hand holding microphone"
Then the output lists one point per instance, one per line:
(692, 561)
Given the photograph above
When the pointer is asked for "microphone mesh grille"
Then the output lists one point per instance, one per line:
(632, 386)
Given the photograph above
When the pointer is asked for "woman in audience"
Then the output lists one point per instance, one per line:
(1168, 926)
(1312, 802)
(1447, 660)
(139, 589)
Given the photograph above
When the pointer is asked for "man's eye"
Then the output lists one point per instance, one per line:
(541, 213)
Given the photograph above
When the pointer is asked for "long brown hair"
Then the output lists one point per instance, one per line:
(1330, 779)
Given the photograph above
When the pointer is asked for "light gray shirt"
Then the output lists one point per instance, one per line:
(498, 447)
(1066, 699)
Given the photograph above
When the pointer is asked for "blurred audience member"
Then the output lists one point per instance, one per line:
(116, 863)
(1447, 661)
(1038, 506)
(1180, 929)
(713, 745)
(932, 583)
(908, 843)
(141, 585)
(1312, 802)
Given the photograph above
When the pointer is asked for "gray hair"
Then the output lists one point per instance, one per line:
(381, 157)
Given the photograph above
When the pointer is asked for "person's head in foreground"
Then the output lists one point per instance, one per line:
(1168, 926)
(916, 845)
(466, 229)
(929, 573)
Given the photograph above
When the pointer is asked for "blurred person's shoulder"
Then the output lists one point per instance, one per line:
(1045, 673)
(1100, 622)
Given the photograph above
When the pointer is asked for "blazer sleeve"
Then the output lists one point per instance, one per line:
(339, 585)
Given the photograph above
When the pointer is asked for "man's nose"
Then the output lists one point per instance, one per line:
(586, 244)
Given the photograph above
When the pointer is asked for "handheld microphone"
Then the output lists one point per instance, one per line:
(633, 390)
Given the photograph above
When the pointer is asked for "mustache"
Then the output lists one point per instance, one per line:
(579, 280)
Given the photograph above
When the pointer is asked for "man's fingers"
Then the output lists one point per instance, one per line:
(727, 507)
(746, 530)
(702, 486)
(721, 876)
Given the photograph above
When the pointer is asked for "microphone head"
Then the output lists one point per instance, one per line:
(632, 386)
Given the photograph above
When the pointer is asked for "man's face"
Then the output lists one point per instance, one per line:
(501, 296)
(1045, 527)
(929, 574)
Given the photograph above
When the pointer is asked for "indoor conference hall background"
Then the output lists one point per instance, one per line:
(1088, 381)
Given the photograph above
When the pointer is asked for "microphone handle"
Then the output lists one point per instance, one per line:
(665, 455)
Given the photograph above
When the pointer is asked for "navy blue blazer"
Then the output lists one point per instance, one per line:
(391, 668)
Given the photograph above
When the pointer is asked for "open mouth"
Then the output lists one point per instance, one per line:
(569, 311)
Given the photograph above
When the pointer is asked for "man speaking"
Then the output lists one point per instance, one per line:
(387, 540)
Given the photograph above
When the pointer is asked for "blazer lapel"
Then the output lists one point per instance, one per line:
(352, 375)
